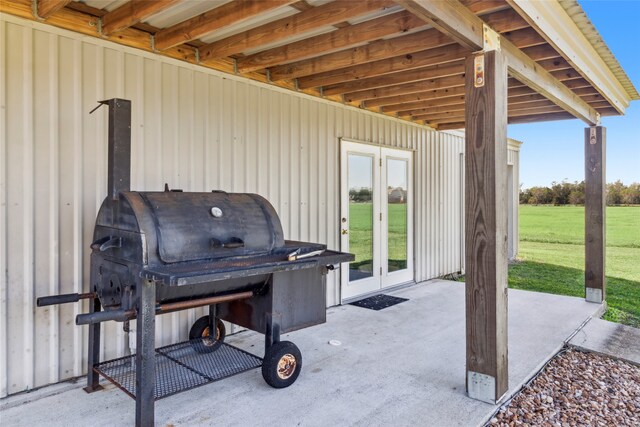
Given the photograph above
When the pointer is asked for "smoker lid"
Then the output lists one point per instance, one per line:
(197, 226)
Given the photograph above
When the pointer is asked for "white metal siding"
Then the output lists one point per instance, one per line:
(193, 128)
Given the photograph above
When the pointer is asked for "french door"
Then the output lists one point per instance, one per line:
(376, 221)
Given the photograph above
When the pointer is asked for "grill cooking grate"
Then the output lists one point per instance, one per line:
(180, 367)
(378, 302)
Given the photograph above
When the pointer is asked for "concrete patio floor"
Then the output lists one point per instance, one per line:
(404, 365)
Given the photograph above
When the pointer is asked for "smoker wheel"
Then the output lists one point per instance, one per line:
(281, 364)
(200, 329)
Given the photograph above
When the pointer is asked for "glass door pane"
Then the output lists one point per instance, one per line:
(397, 214)
(360, 184)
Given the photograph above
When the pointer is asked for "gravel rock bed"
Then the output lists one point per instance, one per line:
(577, 389)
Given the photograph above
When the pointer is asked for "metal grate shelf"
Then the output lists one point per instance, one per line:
(180, 367)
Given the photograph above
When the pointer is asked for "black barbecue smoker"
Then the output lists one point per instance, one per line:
(160, 252)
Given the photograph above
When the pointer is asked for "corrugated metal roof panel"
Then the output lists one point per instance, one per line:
(256, 21)
(182, 11)
(578, 15)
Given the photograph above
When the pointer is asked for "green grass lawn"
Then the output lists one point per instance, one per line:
(552, 256)
(360, 240)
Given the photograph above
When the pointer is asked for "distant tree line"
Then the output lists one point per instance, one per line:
(572, 193)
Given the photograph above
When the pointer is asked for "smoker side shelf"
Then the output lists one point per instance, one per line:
(180, 367)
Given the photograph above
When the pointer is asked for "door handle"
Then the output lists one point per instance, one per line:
(345, 231)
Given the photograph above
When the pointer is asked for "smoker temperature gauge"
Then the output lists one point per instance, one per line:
(216, 212)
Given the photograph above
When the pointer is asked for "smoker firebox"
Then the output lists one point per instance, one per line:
(159, 252)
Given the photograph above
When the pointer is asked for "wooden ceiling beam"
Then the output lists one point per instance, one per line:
(300, 23)
(449, 100)
(431, 72)
(213, 20)
(395, 100)
(519, 99)
(416, 91)
(521, 90)
(480, 7)
(585, 91)
(431, 110)
(596, 97)
(450, 126)
(343, 38)
(505, 20)
(554, 64)
(456, 115)
(455, 20)
(540, 118)
(540, 52)
(443, 117)
(454, 100)
(537, 110)
(420, 86)
(420, 59)
(524, 38)
(131, 13)
(510, 120)
(374, 51)
(46, 8)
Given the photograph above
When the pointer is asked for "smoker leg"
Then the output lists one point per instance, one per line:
(93, 357)
(213, 315)
(145, 356)
(272, 332)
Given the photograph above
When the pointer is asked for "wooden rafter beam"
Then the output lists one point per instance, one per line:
(540, 118)
(213, 20)
(480, 7)
(505, 20)
(420, 59)
(419, 86)
(397, 63)
(457, 114)
(300, 23)
(371, 97)
(343, 38)
(524, 38)
(374, 51)
(432, 110)
(454, 19)
(541, 52)
(449, 126)
(131, 13)
(375, 74)
(46, 8)
(449, 100)
(455, 102)
(400, 99)
(431, 72)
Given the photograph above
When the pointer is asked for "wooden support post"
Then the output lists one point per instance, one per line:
(594, 207)
(486, 225)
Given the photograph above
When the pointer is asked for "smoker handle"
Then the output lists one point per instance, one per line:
(62, 299)
(103, 316)
(107, 243)
(232, 243)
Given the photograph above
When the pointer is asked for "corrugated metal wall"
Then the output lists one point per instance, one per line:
(195, 129)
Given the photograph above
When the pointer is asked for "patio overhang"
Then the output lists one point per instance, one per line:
(404, 58)
(470, 64)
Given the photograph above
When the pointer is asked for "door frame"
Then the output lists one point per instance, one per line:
(405, 276)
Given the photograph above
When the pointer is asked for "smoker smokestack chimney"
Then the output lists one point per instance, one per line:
(119, 166)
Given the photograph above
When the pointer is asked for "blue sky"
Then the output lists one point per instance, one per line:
(553, 151)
